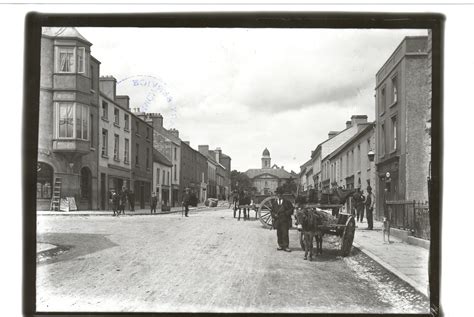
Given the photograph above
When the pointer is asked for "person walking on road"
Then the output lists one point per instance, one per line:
(186, 202)
(131, 200)
(359, 204)
(153, 203)
(122, 201)
(369, 207)
(282, 210)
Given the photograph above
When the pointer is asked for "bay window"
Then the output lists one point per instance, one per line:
(73, 120)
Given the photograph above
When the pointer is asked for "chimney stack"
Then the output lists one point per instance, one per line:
(203, 149)
(348, 124)
(108, 85)
(332, 134)
(174, 132)
(218, 154)
(358, 119)
(123, 101)
(156, 120)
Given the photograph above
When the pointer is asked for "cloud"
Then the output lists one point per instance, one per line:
(247, 89)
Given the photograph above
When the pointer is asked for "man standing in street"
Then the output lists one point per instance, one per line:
(359, 204)
(153, 203)
(282, 210)
(131, 200)
(186, 201)
(369, 207)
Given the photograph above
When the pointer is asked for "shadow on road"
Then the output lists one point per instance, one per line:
(71, 246)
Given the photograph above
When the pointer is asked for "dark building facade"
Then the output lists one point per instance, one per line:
(194, 170)
(114, 142)
(168, 143)
(68, 120)
(142, 161)
(402, 101)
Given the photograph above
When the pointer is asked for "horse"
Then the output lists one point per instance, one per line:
(308, 222)
(244, 199)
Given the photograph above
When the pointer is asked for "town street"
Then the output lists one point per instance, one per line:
(209, 262)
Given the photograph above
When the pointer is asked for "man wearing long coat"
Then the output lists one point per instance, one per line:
(186, 201)
(282, 210)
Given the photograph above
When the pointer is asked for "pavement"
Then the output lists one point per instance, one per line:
(110, 212)
(408, 262)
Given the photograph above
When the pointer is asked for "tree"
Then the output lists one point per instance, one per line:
(289, 186)
(239, 181)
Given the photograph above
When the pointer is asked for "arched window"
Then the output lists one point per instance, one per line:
(85, 182)
(44, 181)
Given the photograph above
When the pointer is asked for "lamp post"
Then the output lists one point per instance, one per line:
(371, 155)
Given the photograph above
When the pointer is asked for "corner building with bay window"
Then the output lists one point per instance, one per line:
(68, 120)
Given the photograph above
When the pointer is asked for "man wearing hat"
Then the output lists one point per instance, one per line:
(186, 201)
(282, 210)
(369, 207)
(359, 204)
(153, 203)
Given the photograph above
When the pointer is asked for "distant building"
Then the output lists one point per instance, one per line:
(68, 147)
(402, 102)
(168, 143)
(223, 170)
(349, 166)
(267, 178)
(194, 168)
(335, 140)
(115, 147)
(142, 161)
(162, 178)
(306, 181)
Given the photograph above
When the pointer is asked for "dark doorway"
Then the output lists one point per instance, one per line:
(142, 195)
(103, 195)
(86, 187)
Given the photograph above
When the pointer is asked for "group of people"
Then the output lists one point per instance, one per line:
(360, 203)
(119, 199)
(282, 211)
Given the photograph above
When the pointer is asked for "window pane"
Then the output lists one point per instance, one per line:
(66, 60)
(78, 121)
(85, 123)
(126, 150)
(66, 120)
(116, 147)
(80, 59)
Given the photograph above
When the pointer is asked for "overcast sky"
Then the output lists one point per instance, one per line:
(247, 89)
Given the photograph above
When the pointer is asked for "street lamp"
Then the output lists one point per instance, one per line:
(371, 155)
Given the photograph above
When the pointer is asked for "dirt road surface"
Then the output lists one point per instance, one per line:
(208, 262)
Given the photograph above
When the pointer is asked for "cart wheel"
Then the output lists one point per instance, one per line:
(348, 236)
(302, 240)
(265, 211)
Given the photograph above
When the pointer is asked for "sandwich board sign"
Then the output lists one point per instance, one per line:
(68, 204)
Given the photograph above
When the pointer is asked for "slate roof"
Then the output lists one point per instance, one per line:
(280, 173)
(160, 158)
(356, 136)
(66, 32)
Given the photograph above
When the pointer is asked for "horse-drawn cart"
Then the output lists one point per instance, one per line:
(342, 225)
